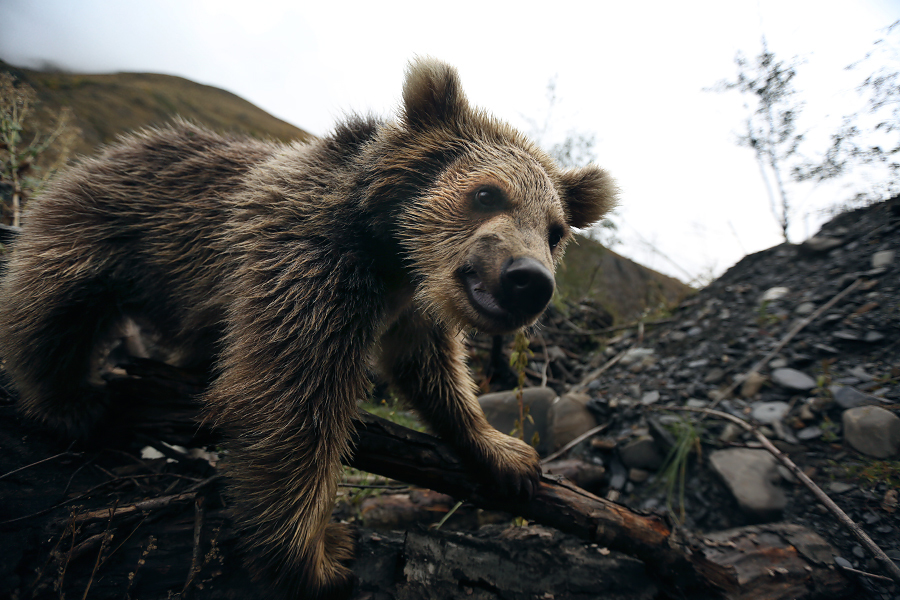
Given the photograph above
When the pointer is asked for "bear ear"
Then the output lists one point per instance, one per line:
(432, 95)
(589, 193)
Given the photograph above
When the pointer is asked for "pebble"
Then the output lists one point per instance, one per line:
(774, 294)
(752, 384)
(872, 430)
(778, 363)
(641, 454)
(567, 419)
(650, 397)
(805, 308)
(821, 243)
(502, 411)
(809, 433)
(638, 475)
(749, 475)
(840, 487)
(842, 562)
(882, 259)
(860, 373)
(715, 375)
(846, 335)
(730, 433)
(636, 355)
(849, 397)
(769, 412)
(793, 379)
(873, 336)
(603, 444)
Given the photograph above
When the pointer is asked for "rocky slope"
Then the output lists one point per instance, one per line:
(829, 398)
(106, 105)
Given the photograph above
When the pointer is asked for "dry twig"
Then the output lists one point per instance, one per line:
(886, 563)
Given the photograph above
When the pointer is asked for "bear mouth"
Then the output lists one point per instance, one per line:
(480, 298)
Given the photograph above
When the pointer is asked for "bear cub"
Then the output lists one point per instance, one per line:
(290, 268)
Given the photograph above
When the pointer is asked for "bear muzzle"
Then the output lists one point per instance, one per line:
(513, 297)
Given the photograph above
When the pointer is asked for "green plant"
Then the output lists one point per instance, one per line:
(673, 473)
(392, 410)
(870, 472)
(763, 317)
(17, 154)
(518, 360)
(829, 430)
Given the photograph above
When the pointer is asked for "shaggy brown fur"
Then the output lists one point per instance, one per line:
(287, 267)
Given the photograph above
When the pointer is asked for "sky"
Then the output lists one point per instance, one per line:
(635, 75)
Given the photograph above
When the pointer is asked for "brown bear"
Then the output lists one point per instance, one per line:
(286, 267)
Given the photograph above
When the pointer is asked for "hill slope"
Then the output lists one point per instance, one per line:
(108, 105)
(621, 286)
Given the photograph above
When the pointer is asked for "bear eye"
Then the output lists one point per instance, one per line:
(555, 236)
(489, 198)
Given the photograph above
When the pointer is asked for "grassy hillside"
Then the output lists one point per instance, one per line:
(623, 287)
(105, 106)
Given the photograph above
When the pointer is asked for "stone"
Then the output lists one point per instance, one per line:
(805, 308)
(860, 373)
(778, 363)
(872, 430)
(846, 335)
(750, 476)
(752, 384)
(820, 243)
(603, 444)
(840, 487)
(641, 453)
(556, 353)
(638, 475)
(826, 348)
(873, 336)
(793, 379)
(730, 433)
(769, 412)
(567, 419)
(809, 433)
(850, 397)
(636, 355)
(882, 259)
(650, 397)
(774, 294)
(502, 411)
(715, 375)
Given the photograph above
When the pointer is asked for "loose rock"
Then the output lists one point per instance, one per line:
(568, 418)
(750, 474)
(641, 453)
(872, 430)
(769, 412)
(502, 411)
(793, 379)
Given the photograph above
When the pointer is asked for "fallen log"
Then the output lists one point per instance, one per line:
(772, 562)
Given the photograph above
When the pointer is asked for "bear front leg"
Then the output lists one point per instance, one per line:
(425, 364)
(286, 396)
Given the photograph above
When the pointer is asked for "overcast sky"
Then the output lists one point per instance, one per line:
(630, 73)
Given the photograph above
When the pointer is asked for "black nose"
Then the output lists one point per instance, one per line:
(526, 286)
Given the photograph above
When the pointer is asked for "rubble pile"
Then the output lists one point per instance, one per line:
(829, 398)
